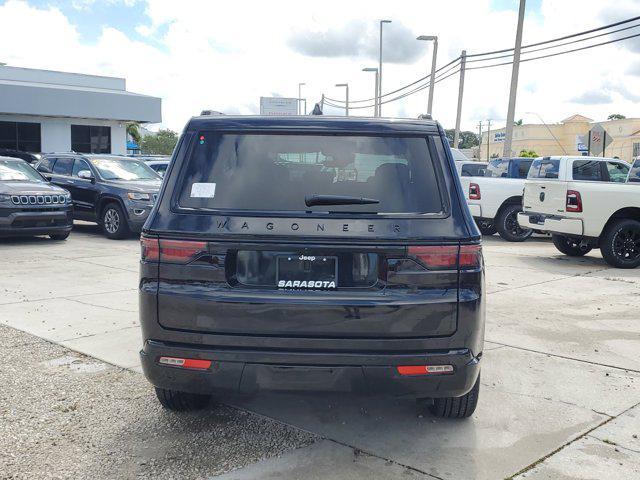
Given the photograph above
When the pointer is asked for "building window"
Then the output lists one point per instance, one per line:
(636, 149)
(21, 136)
(90, 139)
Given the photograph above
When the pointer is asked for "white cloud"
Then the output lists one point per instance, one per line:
(225, 55)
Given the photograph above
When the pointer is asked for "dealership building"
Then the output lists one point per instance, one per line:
(48, 111)
(568, 137)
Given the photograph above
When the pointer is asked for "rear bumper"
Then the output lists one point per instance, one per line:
(243, 371)
(556, 224)
(18, 223)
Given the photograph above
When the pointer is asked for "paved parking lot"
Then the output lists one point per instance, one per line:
(559, 399)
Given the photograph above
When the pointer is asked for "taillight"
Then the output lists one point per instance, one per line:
(447, 257)
(474, 191)
(574, 201)
(180, 251)
(150, 249)
(170, 251)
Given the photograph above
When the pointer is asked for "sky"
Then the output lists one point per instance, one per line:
(225, 55)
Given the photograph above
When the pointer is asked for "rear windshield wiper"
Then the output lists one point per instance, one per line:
(312, 200)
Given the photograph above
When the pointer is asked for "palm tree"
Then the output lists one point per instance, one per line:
(133, 131)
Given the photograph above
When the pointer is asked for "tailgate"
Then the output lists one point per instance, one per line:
(306, 290)
(548, 197)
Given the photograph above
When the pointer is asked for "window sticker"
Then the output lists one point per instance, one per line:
(203, 190)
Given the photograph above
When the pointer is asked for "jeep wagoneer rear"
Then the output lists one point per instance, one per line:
(312, 254)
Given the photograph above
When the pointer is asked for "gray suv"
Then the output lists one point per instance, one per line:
(115, 192)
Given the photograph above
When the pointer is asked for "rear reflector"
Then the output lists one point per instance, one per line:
(443, 257)
(190, 363)
(424, 369)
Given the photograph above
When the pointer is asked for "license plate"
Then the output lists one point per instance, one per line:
(307, 272)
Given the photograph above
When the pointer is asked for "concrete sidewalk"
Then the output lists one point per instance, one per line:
(561, 374)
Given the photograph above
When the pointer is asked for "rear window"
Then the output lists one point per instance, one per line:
(473, 170)
(276, 172)
(497, 168)
(544, 168)
(523, 168)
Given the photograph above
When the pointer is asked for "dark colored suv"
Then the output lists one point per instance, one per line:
(29, 205)
(115, 192)
(312, 254)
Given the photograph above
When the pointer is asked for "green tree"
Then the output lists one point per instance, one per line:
(161, 143)
(133, 131)
(518, 122)
(616, 116)
(528, 154)
(467, 139)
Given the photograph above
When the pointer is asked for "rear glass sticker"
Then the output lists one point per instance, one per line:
(203, 190)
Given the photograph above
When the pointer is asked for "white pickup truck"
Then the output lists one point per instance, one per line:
(585, 203)
(495, 198)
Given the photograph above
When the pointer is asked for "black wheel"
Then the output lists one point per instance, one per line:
(113, 221)
(457, 407)
(59, 236)
(620, 244)
(181, 401)
(569, 246)
(486, 227)
(508, 226)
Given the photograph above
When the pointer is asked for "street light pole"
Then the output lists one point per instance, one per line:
(432, 77)
(380, 70)
(346, 86)
(300, 85)
(511, 112)
(375, 105)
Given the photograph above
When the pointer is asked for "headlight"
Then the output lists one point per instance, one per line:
(4, 198)
(138, 196)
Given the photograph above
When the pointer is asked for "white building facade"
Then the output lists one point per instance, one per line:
(47, 111)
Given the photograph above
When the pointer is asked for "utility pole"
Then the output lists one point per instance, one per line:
(322, 103)
(300, 85)
(479, 138)
(432, 76)
(488, 138)
(508, 135)
(382, 22)
(463, 63)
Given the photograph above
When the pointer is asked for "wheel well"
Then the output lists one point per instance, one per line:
(628, 212)
(104, 201)
(515, 200)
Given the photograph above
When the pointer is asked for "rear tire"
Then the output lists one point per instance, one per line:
(181, 401)
(114, 223)
(59, 236)
(486, 227)
(620, 244)
(457, 407)
(568, 246)
(507, 224)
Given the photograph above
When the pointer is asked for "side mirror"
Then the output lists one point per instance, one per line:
(85, 174)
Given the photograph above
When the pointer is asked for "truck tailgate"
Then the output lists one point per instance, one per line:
(545, 196)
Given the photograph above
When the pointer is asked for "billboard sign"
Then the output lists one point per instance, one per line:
(278, 106)
(581, 143)
(499, 136)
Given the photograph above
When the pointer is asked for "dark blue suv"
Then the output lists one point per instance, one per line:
(312, 254)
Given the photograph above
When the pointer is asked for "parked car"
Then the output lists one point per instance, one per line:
(29, 205)
(496, 198)
(312, 253)
(115, 192)
(586, 203)
(160, 166)
(470, 168)
(31, 158)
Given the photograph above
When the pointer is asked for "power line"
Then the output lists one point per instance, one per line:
(604, 27)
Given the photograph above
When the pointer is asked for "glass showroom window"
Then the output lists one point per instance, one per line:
(90, 139)
(21, 136)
